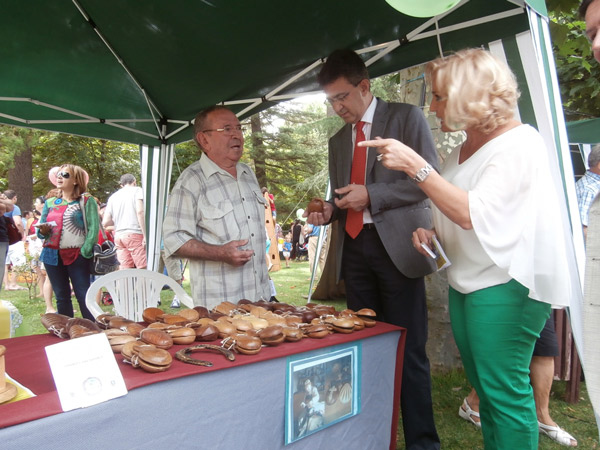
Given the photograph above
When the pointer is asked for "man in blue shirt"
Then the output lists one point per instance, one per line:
(588, 186)
(311, 233)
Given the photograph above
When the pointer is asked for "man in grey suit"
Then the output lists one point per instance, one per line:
(377, 210)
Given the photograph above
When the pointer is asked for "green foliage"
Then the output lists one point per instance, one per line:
(289, 154)
(105, 161)
(578, 72)
(26, 272)
(185, 154)
(14, 141)
(406, 86)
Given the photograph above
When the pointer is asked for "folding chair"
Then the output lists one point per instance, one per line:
(132, 291)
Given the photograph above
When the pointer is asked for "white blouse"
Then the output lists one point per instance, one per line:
(517, 229)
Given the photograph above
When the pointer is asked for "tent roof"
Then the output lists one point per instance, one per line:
(584, 131)
(139, 71)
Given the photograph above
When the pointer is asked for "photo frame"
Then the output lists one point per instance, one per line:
(322, 389)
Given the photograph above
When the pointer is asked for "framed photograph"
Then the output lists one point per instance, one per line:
(322, 388)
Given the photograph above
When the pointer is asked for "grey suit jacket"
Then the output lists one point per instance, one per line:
(398, 205)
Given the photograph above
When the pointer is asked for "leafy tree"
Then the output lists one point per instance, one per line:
(26, 156)
(105, 161)
(288, 151)
(16, 149)
(578, 72)
(407, 85)
(185, 154)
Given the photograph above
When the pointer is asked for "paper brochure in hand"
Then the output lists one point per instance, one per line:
(52, 224)
(437, 253)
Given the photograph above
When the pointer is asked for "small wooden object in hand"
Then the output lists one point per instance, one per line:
(316, 205)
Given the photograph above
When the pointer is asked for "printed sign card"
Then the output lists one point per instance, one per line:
(85, 371)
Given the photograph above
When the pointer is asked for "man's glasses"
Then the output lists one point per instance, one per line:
(338, 98)
(228, 130)
(65, 175)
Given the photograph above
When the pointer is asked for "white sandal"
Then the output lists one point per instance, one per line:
(557, 434)
(465, 412)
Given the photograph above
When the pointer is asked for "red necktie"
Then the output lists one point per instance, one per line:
(354, 219)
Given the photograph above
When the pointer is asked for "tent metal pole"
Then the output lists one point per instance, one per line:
(320, 240)
(469, 23)
(156, 165)
(174, 132)
(392, 45)
(88, 19)
(85, 117)
(294, 78)
(133, 130)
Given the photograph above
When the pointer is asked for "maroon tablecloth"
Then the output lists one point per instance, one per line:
(26, 362)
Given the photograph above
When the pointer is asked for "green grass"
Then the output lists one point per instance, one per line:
(449, 387)
(292, 285)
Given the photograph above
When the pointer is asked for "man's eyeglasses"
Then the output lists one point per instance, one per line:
(228, 130)
(338, 98)
(65, 175)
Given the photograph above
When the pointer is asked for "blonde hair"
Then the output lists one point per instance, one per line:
(80, 178)
(481, 90)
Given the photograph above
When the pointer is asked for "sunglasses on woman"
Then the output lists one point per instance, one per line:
(65, 175)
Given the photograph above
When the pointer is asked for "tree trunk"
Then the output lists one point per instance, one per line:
(441, 348)
(20, 178)
(258, 150)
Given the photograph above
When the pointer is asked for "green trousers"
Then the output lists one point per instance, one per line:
(495, 330)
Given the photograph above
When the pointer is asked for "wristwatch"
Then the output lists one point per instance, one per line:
(423, 173)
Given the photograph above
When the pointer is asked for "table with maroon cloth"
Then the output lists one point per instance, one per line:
(231, 405)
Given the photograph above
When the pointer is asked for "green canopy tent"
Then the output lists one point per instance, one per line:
(139, 71)
(584, 131)
(584, 134)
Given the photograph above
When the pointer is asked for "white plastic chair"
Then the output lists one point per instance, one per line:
(132, 291)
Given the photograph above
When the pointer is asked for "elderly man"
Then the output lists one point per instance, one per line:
(216, 214)
(588, 186)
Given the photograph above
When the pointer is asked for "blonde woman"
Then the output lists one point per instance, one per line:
(497, 216)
